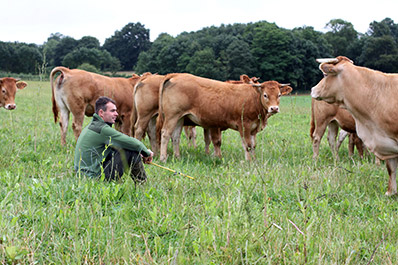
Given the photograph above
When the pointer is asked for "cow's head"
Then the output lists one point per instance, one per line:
(329, 88)
(271, 91)
(9, 86)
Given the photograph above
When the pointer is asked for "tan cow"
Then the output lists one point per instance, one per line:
(75, 91)
(325, 115)
(9, 88)
(215, 104)
(372, 99)
(146, 106)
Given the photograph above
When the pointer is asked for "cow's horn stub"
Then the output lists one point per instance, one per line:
(256, 85)
(283, 85)
(327, 60)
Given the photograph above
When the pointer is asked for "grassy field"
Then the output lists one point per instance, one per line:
(283, 208)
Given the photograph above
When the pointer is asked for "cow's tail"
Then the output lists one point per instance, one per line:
(312, 128)
(56, 70)
(134, 115)
(160, 119)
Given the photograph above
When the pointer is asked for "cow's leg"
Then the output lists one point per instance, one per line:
(215, 135)
(333, 129)
(317, 137)
(357, 142)
(126, 124)
(247, 143)
(207, 137)
(342, 135)
(190, 132)
(352, 144)
(63, 123)
(392, 170)
(176, 137)
(167, 129)
(141, 125)
(77, 123)
(151, 130)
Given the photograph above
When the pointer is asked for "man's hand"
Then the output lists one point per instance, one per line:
(149, 158)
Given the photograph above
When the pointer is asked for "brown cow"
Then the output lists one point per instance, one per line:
(371, 97)
(146, 98)
(76, 91)
(215, 104)
(325, 115)
(9, 88)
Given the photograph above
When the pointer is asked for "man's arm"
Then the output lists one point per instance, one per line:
(126, 142)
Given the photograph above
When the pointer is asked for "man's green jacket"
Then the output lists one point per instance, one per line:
(96, 142)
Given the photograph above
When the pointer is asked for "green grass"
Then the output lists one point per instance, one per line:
(283, 208)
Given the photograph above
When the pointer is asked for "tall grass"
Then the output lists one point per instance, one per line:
(282, 208)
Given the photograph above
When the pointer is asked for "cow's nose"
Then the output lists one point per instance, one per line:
(274, 109)
(11, 106)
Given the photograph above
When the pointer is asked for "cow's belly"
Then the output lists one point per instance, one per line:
(212, 122)
(378, 141)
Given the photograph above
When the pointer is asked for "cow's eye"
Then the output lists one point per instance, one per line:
(265, 95)
(3, 91)
(279, 95)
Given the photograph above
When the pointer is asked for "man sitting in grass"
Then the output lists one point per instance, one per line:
(102, 149)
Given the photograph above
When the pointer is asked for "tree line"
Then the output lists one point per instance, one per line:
(258, 49)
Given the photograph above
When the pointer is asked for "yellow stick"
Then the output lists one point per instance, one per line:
(171, 170)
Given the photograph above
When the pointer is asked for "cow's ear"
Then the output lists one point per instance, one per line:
(21, 85)
(328, 69)
(285, 89)
(245, 79)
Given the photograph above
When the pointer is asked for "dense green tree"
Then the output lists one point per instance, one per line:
(88, 67)
(100, 59)
(82, 55)
(239, 60)
(64, 46)
(89, 42)
(29, 58)
(380, 46)
(272, 49)
(341, 36)
(7, 52)
(19, 57)
(382, 28)
(127, 44)
(381, 53)
(49, 51)
(204, 63)
(150, 61)
(109, 63)
(308, 46)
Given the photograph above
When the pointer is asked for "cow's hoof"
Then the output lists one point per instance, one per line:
(391, 193)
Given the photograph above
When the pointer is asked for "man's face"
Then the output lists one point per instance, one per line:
(110, 114)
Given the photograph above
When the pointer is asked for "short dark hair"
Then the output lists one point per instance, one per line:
(101, 103)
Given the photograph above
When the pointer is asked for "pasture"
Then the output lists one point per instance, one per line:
(282, 208)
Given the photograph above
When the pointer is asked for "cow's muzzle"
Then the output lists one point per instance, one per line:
(273, 109)
(10, 106)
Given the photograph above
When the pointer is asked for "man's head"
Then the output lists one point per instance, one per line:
(106, 109)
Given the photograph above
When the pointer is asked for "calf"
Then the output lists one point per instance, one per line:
(216, 105)
(9, 86)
